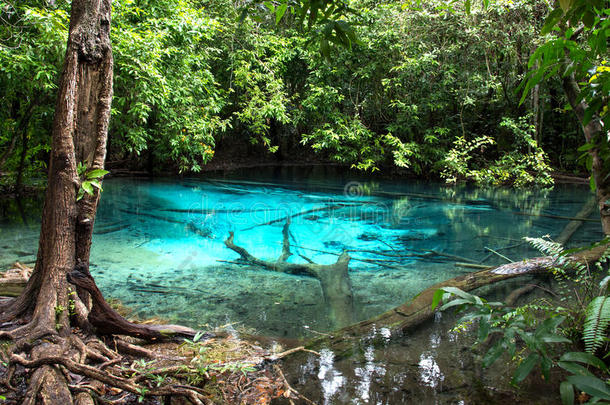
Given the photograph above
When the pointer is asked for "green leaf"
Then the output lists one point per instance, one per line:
(582, 357)
(573, 368)
(95, 183)
(467, 6)
(567, 393)
(325, 48)
(525, 368)
(97, 173)
(280, 11)
(468, 297)
(588, 19)
(586, 147)
(455, 302)
(552, 19)
(549, 325)
(591, 385)
(565, 4)
(87, 187)
(483, 329)
(492, 354)
(553, 338)
(436, 298)
(545, 365)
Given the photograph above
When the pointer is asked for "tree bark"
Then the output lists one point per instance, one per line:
(79, 135)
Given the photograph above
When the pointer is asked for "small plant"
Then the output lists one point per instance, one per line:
(90, 179)
(59, 310)
(71, 302)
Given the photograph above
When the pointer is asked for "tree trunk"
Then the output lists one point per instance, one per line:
(593, 128)
(4, 157)
(79, 135)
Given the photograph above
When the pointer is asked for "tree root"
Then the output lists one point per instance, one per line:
(82, 370)
(47, 370)
(109, 322)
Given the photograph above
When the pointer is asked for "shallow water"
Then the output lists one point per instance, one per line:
(158, 244)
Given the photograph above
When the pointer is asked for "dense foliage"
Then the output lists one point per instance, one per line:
(565, 333)
(420, 87)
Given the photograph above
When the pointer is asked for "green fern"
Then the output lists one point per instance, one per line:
(596, 322)
(547, 247)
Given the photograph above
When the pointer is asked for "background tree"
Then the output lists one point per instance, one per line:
(576, 50)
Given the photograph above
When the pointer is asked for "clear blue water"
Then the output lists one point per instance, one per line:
(158, 244)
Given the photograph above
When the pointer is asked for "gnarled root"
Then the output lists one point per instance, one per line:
(61, 368)
(109, 322)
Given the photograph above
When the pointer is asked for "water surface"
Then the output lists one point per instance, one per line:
(159, 244)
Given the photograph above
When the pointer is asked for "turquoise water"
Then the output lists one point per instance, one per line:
(159, 244)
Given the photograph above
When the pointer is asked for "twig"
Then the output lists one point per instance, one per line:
(499, 254)
(473, 266)
(288, 352)
(290, 389)
(531, 214)
(298, 214)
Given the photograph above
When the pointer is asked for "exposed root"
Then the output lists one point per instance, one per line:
(278, 356)
(107, 378)
(83, 370)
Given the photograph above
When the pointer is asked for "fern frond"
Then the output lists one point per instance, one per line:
(596, 322)
(547, 247)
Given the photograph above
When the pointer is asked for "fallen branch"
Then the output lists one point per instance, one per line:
(281, 355)
(573, 225)
(416, 311)
(532, 214)
(499, 254)
(473, 266)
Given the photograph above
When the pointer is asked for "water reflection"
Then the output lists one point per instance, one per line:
(430, 372)
(365, 374)
(431, 365)
(331, 379)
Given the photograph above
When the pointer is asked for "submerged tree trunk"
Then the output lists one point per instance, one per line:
(334, 278)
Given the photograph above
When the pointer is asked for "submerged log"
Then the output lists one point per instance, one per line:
(418, 310)
(334, 279)
(571, 228)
